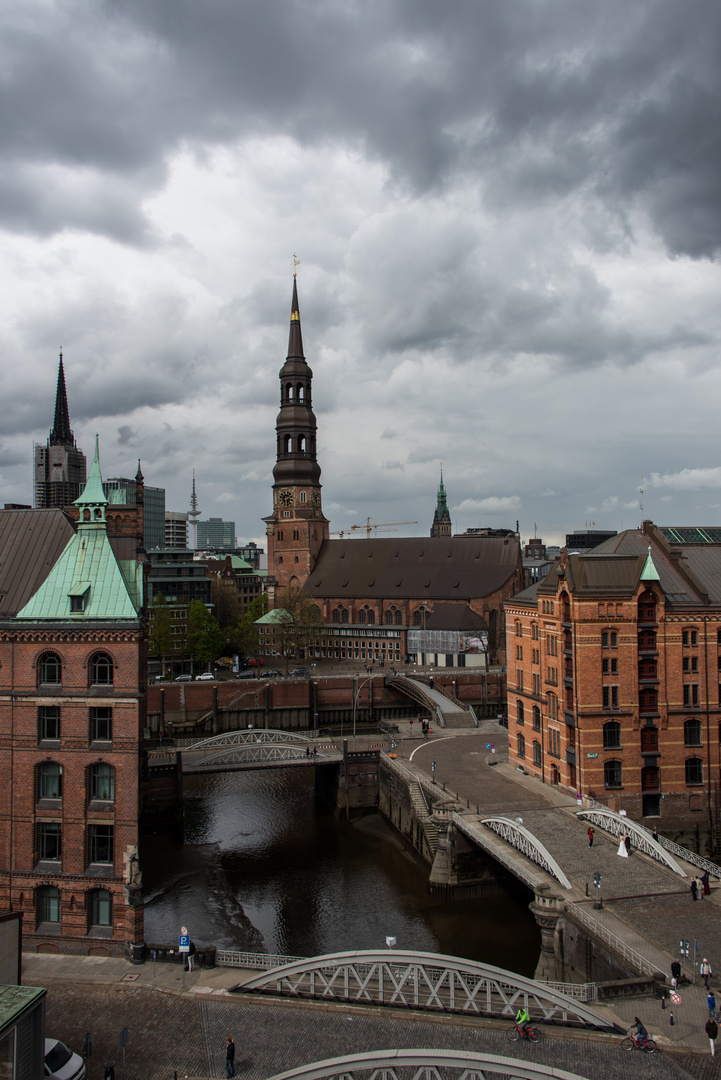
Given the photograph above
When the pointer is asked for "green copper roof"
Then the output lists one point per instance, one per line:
(276, 617)
(86, 582)
(93, 495)
(649, 572)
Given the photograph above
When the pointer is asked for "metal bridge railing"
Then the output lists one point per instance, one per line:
(252, 961)
(579, 914)
(424, 1064)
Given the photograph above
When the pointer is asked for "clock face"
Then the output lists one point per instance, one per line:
(285, 497)
(316, 498)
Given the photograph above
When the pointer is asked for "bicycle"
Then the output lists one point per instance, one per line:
(631, 1040)
(516, 1032)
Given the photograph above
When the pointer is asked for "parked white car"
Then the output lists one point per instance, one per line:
(61, 1062)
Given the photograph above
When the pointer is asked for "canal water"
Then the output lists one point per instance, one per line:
(264, 869)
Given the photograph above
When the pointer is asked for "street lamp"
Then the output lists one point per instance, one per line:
(355, 701)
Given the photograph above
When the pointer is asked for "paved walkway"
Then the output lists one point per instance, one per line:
(175, 1030)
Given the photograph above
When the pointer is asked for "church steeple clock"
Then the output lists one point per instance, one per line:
(297, 527)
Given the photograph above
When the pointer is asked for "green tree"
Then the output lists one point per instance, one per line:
(245, 631)
(303, 623)
(160, 629)
(206, 640)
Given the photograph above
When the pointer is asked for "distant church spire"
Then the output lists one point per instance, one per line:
(441, 519)
(61, 435)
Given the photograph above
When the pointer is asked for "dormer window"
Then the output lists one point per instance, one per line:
(79, 595)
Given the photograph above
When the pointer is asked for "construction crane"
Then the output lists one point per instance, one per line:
(386, 526)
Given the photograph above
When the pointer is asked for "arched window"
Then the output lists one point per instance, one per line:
(301, 392)
(101, 908)
(301, 444)
(536, 753)
(519, 712)
(362, 617)
(371, 618)
(612, 735)
(694, 770)
(50, 778)
(417, 618)
(287, 444)
(304, 496)
(399, 619)
(692, 732)
(388, 618)
(553, 706)
(102, 782)
(48, 904)
(101, 670)
(519, 629)
(289, 392)
(49, 669)
(336, 615)
(536, 718)
(612, 774)
(521, 743)
(344, 615)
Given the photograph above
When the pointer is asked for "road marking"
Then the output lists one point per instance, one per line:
(434, 743)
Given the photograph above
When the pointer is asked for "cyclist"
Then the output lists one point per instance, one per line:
(523, 1019)
(641, 1032)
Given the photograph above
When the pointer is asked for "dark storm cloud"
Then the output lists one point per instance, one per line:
(538, 100)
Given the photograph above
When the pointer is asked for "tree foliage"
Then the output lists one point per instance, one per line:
(246, 633)
(206, 641)
(303, 623)
(160, 629)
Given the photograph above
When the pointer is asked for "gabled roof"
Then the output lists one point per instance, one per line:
(437, 568)
(87, 567)
(30, 544)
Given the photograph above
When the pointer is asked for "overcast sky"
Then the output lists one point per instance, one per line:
(508, 216)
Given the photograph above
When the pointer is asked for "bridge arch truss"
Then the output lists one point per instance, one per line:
(253, 747)
(514, 833)
(424, 981)
(426, 1065)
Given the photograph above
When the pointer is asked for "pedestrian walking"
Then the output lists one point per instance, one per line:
(706, 883)
(694, 889)
(430, 682)
(627, 842)
(590, 836)
(191, 955)
(712, 1032)
(230, 1056)
(655, 834)
(705, 971)
(675, 973)
(711, 1002)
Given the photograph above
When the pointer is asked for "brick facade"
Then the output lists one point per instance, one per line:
(614, 680)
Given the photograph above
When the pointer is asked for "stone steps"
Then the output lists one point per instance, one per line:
(419, 805)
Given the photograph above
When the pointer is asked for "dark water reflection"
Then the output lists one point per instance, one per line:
(263, 869)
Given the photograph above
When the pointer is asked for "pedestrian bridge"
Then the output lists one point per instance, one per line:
(422, 1064)
(424, 981)
(444, 709)
(256, 749)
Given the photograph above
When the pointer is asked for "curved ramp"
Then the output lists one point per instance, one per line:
(424, 981)
(441, 707)
(428, 1065)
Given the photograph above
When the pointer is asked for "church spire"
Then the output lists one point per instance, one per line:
(295, 338)
(61, 435)
(442, 525)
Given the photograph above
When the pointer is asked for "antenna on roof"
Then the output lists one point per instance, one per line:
(641, 502)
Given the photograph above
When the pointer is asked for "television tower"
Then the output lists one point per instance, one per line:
(194, 514)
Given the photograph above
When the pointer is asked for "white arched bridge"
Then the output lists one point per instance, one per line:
(421, 1064)
(256, 748)
(424, 981)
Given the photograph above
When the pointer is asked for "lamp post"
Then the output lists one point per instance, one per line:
(355, 700)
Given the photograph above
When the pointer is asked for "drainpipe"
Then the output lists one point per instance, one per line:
(708, 733)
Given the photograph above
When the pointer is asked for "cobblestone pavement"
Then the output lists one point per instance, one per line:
(169, 1033)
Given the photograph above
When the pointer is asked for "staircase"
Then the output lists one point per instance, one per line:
(430, 832)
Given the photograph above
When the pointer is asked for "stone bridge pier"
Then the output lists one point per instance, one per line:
(547, 909)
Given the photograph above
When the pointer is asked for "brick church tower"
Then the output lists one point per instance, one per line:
(297, 527)
(441, 519)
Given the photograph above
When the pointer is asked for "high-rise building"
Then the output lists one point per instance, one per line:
(176, 529)
(121, 491)
(216, 533)
(60, 467)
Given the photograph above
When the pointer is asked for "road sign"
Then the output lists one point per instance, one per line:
(184, 943)
(676, 999)
(184, 931)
